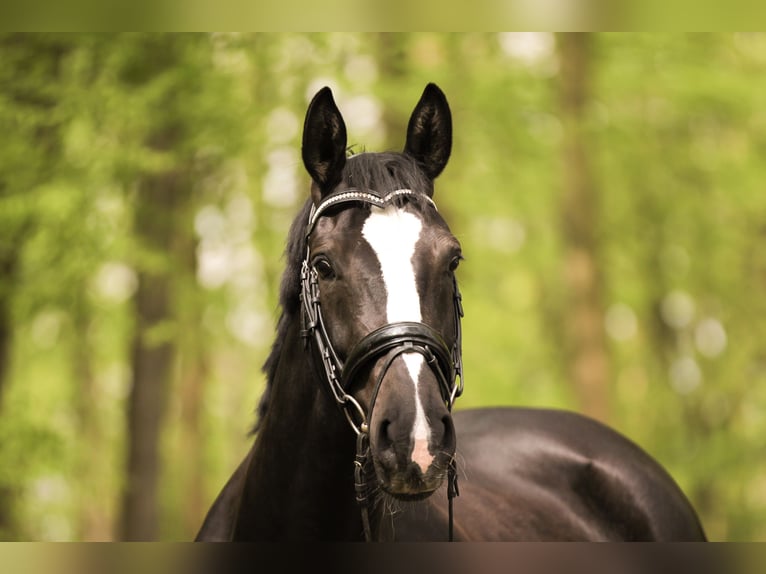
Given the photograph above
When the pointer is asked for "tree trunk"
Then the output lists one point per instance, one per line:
(8, 265)
(161, 200)
(193, 371)
(153, 354)
(94, 519)
(587, 354)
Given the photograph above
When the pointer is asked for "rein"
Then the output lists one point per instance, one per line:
(394, 338)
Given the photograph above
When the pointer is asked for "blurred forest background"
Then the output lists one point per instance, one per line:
(608, 190)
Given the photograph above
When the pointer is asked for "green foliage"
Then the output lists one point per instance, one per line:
(676, 133)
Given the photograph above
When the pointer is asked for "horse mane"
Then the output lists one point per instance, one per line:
(381, 172)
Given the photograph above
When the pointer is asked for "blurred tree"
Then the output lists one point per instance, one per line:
(191, 125)
(159, 66)
(30, 152)
(159, 195)
(586, 355)
(194, 371)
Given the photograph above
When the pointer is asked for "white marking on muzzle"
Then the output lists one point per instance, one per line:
(393, 233)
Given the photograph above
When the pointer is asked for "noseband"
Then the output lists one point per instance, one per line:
(394, 339)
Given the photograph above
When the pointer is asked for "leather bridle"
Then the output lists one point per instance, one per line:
(393, 339)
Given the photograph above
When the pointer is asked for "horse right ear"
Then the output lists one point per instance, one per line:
(324, 144)
(429, 132)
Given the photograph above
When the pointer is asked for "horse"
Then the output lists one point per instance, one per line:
(356, 438)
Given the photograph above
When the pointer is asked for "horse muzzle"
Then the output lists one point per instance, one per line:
(411, 461)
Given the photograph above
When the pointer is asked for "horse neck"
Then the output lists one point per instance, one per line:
(299, 482)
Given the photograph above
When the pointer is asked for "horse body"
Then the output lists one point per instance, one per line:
(525, 475)
(356, 438)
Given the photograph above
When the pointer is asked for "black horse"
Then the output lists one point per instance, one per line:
(356, 438)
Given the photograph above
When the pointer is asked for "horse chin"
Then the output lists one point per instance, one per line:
(410, 496)
(410, 488)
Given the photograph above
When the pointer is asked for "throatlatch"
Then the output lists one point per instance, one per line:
(393, 339)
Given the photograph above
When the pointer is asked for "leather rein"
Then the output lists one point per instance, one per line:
(394, 339)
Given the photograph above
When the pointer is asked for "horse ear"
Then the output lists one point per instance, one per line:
(429, 133)
(324, 143)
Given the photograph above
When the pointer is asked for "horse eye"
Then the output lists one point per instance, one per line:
(324, 268)
(454, 262)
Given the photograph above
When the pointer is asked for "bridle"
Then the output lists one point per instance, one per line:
(394, 339)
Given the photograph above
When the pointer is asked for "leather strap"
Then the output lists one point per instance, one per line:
(382, 340)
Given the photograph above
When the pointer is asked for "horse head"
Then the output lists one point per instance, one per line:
(379, 292)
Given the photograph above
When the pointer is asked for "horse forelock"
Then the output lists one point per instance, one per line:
(386, 171)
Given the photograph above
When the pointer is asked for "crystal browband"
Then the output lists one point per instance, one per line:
(352, 195)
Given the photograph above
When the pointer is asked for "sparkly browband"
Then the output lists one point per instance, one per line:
(352, 195)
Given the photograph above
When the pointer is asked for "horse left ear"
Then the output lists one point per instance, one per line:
(429, 133)
(324, 144)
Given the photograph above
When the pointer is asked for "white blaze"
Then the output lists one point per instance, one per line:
(393, 233)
